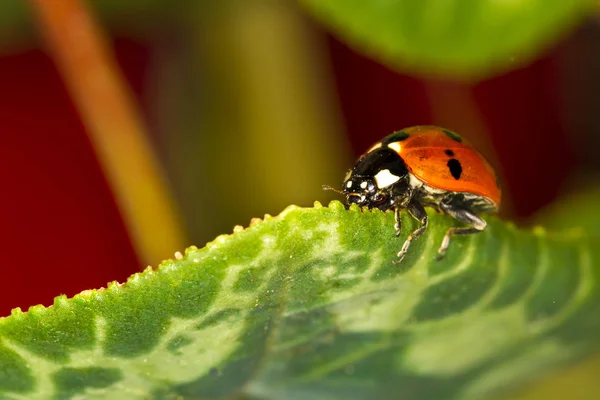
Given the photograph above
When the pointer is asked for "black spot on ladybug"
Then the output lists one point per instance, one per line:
(455, 168)
(397, 136)
(449, 153)
(452, 135)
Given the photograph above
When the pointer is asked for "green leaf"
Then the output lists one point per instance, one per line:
(308, 305)
(460, 38)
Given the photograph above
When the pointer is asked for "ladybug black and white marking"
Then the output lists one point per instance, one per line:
(425, 166)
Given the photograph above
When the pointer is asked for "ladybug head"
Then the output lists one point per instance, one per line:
(363, 191)
(376, 180)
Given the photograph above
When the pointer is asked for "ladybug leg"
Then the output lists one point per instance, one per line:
(416, 210)
(476, 224)
(398, 224)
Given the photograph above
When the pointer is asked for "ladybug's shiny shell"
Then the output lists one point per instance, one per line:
(443, 160)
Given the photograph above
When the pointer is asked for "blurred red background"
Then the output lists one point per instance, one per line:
(61, 223)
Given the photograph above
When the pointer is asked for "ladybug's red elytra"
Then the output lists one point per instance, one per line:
(425, 166)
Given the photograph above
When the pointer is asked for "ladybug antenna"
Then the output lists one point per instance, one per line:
(327, 187)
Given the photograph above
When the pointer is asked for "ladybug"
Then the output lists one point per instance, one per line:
(424, 166)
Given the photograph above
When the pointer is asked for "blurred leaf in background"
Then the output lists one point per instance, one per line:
(463, 38)
(577, 208)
